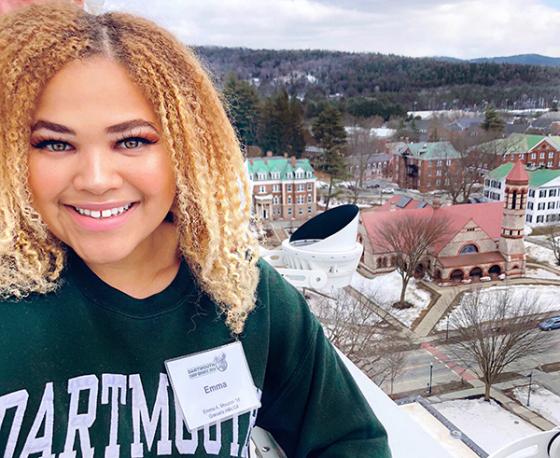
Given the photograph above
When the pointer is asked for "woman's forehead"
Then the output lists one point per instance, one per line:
(97, 90)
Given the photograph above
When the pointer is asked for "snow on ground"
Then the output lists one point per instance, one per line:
(546, 298)
(486, 423)
(541, 254)
(386, 290)
(541, 273)
(542, 401)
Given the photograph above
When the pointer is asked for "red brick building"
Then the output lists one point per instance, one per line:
(424, 166)
(484, 240)
(536, 151)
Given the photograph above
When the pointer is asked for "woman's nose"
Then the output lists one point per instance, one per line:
(97, 172)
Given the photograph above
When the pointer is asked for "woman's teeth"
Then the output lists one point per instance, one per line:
(103, 213)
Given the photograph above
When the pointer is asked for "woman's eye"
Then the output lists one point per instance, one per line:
(53, 145)
(134, 142)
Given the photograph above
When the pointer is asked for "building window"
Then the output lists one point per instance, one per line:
(262, 189)
(541, 206)
(471, 229)
(438, 172)
(529, 218)
(309, 198)
(549, 164)
(533, 155)
(310, 187)
(469, 249)
(275, 188)
(309, 174)
(289, 188)
(550, 155)
(275, 200)
(300, 211)
(262, 175)
(542, 193)
(439, 163)
(531, 193)
(530, 205)
(541, 156)
(251, 177)
(448, 162)
(540, 218)
(552, 193)
(309, 209)
(300, 188)
(551, 205)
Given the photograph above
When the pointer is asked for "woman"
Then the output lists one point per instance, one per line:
(127, 250)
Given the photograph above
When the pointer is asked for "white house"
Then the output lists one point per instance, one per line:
(543, 201)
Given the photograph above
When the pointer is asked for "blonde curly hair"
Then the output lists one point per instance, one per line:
(211, 214)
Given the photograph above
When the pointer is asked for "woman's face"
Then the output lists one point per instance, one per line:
(99, 174)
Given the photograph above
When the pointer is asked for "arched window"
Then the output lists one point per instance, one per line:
(514, 200)
(469, 249)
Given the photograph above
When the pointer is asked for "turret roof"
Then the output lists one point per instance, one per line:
(518, 174)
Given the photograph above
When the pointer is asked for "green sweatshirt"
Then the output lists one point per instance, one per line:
(82, 374)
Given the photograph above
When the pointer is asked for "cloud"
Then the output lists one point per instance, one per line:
(459, 28)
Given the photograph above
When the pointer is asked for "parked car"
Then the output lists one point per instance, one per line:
(388, 191)
(551, 323)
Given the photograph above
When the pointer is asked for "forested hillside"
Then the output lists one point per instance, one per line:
(393, 81)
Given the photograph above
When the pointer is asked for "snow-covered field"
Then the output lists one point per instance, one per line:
(386, 290)
(542, 401)
(546, 298)
(541, 273)
(541, 254)
(490, 426)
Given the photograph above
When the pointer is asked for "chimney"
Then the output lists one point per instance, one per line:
(293, 161)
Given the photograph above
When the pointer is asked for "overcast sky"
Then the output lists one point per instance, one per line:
(456, 28)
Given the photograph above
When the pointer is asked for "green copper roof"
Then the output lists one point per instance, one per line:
(519, 143)
(536, 177)
(282, 165)
(427, 151)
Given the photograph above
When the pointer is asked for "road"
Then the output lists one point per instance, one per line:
(416, 373)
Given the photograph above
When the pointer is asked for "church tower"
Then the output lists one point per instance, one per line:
(511, 238)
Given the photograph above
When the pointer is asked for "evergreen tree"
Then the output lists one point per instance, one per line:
(243, 108)
(281, 129)
(329, 133)
(492, 120)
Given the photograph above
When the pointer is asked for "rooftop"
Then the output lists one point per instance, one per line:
(280, 164)
(425, 151)
(537, 177)
(487, 216)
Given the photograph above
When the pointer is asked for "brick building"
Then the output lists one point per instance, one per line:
(484, 240)
(533, 150)
(423, 166)
(372, 165)
(282, 188)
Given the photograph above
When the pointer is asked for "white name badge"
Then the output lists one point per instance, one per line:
(213, 386)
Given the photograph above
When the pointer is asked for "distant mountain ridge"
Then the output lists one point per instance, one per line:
(520, 59)
(388, 80)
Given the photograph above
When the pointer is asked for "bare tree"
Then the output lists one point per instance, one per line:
(361, 147)
(410, 238)
(553, 240)
(495, 329)
(355, 328)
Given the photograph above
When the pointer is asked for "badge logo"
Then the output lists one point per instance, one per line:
(220, 362)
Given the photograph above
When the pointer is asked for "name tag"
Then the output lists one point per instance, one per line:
(213, 386)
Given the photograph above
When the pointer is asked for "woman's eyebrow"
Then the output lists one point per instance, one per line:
(127, 125)
(52, 126)
(117, 128)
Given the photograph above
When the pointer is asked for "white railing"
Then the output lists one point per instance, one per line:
(540, 445)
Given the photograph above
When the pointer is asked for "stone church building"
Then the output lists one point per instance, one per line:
(483, 240)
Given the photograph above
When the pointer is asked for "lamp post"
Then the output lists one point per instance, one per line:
(529, 391)
(430, 383)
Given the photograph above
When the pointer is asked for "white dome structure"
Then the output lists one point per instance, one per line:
(322, 252)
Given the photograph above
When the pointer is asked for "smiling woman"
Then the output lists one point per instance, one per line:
(129, 278)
